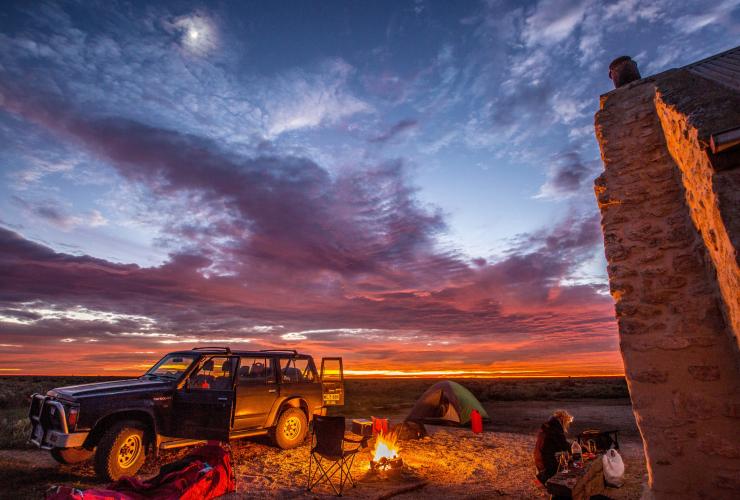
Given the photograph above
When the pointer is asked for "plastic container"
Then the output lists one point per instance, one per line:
(476, 422)
(380, 425)
(576, 452)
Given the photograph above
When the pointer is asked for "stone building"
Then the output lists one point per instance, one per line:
(670, 204)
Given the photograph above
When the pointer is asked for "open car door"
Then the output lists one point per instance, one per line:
(204, 404)
(332, 381)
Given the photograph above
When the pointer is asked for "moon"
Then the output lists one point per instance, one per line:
(198, 34)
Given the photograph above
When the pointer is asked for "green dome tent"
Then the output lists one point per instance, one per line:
(446, 402)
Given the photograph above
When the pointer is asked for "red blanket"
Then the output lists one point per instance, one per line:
(205, 473)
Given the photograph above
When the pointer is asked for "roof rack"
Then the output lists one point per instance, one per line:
(225, 349)
(292, 351)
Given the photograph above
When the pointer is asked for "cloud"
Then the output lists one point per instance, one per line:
(567, 109)
(517, 300)
(553, 21)
(721, 13)
(128, 301)
(398, 129)
(514, 112)
(632, 11)
(138, 62)
(299, 100)
(39, 169)
(171, 71)
(533, 271)
(52, 212)
(96, 219)
(279, 209)
(303, 250)
(566, 175)
(666, 57)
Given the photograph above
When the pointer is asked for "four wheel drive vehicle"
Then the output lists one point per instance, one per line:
(209, 393)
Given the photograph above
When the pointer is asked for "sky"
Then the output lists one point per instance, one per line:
(408, 185)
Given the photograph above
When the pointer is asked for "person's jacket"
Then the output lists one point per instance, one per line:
(550, 440)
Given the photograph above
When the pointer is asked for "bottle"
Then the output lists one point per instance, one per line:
(575, 451)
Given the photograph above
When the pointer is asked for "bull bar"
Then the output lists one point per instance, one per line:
(55, 434)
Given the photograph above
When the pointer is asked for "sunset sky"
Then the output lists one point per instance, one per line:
(405, 184)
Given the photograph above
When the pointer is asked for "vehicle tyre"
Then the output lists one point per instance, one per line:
(121, 450)
(69, 456)
(291, 428)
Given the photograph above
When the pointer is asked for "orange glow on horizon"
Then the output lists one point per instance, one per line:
(453, 363)
(353, 374)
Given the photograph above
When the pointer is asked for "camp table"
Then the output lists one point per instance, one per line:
(579, 483)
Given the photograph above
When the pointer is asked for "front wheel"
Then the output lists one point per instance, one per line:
(291, 428)
(69, 456)
(121, 451)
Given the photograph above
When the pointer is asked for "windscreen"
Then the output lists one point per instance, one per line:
(171, 366)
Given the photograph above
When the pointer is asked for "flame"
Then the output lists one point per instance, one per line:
(386, 447)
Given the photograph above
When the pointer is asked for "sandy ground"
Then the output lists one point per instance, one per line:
(450, 463)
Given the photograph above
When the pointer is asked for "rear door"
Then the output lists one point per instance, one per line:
(332, 381)
(204, 405)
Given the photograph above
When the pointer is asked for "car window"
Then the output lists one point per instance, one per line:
(296, 370)
(171, 366)
(216, 373)
(307, 371)
(256, 371)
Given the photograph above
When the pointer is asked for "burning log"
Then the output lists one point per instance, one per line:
(386, 464)
(385, 454)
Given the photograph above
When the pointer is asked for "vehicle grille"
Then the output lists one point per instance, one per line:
(46, 414)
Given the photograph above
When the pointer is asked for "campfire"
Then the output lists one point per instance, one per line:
(385, 453)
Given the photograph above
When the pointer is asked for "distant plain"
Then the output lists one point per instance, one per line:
(364, 397)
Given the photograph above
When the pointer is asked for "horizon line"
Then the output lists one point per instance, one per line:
(361, 377)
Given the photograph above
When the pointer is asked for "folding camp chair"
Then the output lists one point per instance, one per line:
(329, 454)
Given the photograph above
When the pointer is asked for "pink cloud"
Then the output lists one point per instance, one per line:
(290, 244)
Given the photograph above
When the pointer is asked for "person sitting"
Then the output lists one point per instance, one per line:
(551, 440)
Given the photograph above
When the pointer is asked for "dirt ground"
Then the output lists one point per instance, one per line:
(449, 463)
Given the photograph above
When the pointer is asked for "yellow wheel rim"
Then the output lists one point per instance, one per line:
(292, 428)
(129, 451)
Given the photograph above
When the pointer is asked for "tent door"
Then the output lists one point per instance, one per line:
(451, 414)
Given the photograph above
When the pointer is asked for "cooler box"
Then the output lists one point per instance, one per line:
(362, 427)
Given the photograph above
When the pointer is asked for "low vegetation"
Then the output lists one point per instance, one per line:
(15, 398)
(366, 396)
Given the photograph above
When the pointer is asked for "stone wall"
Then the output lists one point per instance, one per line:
(671, 247)
(690, 108)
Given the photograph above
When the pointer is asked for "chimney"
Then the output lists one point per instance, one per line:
(623, 70)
